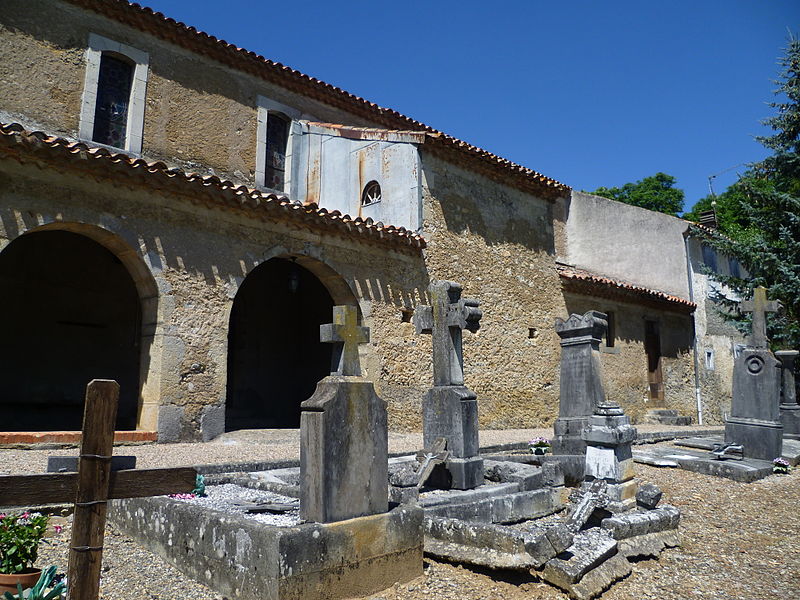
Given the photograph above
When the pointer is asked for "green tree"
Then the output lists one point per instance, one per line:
(767, 239)
(656, 192)
(731, 217)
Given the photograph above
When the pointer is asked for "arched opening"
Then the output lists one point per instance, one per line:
(275, 358)
(71, 313)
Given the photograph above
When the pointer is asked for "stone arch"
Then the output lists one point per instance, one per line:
(145, 289)
(274, 355)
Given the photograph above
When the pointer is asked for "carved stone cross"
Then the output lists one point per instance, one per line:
(430, 458)
(345, 334)
(759, 306)
(445, 319)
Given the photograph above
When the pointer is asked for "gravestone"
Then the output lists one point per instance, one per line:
(581, 379)
(343, 433)
(450, 409)
(790, 409)
(754, 422)
(609, 456)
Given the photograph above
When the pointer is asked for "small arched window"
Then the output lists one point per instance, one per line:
(371, 193)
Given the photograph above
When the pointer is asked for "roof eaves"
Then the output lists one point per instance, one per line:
(176, 32)
(217, 193)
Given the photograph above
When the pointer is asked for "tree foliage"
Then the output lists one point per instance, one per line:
(657, 192)
(764, 233)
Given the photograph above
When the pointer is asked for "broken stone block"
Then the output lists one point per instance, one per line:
(649, 545)
(633, 524)
(545, 543)
(528, 477)
(648, 496)
(588, 550)
(403, 474)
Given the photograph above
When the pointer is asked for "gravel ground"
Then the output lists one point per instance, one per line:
(248, 445)
(739, 542)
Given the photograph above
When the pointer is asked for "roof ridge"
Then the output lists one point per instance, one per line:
(171, 29)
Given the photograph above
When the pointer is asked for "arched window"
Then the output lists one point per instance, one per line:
(371, 193)
(114, 93)
(113, 98)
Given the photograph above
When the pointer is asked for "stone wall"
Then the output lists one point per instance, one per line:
(498, 243)
(625, 364)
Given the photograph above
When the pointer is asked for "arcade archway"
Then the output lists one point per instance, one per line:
(275, 357)
(71, 313)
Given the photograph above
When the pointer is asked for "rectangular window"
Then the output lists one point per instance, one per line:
(113, 97)
(277, 141)
(274, 143)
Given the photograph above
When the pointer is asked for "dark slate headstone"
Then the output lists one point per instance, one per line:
(581, 379)
(790, 409)
(69, 464)
(450, 409)
(754, 422)
(343, 434)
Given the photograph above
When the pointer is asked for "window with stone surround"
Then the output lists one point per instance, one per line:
(115, 85)
(274, 145)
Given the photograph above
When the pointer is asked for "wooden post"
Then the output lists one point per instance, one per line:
(94, 470)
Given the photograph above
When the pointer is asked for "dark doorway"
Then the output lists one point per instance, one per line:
(275, 357)
(652, 347)
(70, 314)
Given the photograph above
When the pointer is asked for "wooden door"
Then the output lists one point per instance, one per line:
(652, 348)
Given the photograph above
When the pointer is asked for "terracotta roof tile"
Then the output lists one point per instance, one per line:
(580, 275)
(176, 32)
(24, 145)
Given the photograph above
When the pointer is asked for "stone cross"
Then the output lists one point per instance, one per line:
(345, 334)
(445, 319)
(428, 459)
(759, 306)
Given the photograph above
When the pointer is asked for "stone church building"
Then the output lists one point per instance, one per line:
(181, 215)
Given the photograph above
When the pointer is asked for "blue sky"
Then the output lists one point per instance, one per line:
(592, 93)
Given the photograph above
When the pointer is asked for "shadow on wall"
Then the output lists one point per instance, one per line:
(498, 213)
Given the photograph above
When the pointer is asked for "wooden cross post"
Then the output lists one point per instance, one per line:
(91, 488)
(345, 334)
(759, 306)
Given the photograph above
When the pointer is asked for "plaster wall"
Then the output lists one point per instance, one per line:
(625, 364)
(625, 242)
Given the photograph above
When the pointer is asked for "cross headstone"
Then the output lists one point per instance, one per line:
(428, 459)
(445, 319)
(759, 306)
(91, 488)
(345, 334)
(343, 434)
(449, 409)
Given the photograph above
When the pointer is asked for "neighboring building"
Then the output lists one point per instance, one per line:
(180, 215)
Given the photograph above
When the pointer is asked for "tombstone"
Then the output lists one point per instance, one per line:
(790, 409)
(450, 409)
(581, 379)
(343, 433)
(609, 456)
(754, 422)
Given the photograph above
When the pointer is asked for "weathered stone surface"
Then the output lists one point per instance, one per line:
(403, 474)
(506, 508)
(581, 387)
(598, 579)
(589, 549)
(451, 412)
(224, 551)
(404, 495)
(343, 451)
(635, 523)
(527, 476)
(648, 496)
(790, 409)
(648, 545)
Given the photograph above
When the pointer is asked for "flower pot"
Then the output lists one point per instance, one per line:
(540, 451)
(28, 579)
